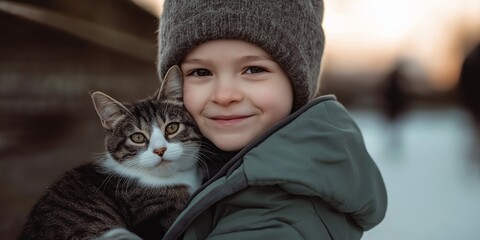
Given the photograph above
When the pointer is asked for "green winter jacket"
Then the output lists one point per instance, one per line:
(308, 177)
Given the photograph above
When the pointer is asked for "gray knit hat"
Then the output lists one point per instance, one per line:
(290, 31)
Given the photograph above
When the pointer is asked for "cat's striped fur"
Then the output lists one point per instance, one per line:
(143, 182)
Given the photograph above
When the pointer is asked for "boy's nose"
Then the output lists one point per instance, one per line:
(226, 92)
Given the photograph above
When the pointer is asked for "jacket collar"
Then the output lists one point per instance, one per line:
(237, 159)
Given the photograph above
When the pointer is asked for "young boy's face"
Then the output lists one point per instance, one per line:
(235, 91)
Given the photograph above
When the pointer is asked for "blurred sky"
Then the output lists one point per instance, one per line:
(432, 36)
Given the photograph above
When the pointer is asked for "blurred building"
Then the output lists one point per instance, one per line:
(52, 54)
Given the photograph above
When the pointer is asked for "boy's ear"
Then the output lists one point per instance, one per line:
(108, 109)
(172, 85)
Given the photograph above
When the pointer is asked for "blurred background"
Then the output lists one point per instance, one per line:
(407, 70)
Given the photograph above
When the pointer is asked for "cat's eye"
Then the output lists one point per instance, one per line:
(172, 128)
(138, 138)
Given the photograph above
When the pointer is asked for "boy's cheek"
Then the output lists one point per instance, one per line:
(191, 108)
(191, 98)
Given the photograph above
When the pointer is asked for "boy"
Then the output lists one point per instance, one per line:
(300, 168)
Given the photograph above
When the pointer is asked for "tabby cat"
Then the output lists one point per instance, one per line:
(143, 182)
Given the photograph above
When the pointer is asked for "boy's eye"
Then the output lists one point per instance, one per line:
(138, 138)
(172, 128)
(200, 73)
(252, 70)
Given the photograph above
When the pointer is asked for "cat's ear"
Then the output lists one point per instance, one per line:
(172, 85)
(108, 109)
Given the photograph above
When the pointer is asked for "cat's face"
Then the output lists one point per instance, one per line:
(156, 136)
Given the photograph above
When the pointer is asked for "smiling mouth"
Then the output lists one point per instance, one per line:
(230, 117)
(229, 120)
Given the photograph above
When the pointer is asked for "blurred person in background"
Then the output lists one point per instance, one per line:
(469, 84)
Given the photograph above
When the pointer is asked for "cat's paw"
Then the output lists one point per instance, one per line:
(118, 234)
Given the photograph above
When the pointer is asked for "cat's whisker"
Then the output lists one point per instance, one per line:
(126, 184)
(118, 186)
(100, 156)
(202, 165)
(110, 173)
(100, 153)
(104, 182)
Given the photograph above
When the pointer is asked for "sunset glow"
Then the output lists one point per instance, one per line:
(371, 35)
(433, 35)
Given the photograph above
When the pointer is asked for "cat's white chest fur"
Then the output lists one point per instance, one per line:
(175, 166)
(191, 177)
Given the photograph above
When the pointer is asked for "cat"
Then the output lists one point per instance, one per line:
(139, 188)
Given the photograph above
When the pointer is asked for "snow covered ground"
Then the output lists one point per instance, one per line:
(431, 171)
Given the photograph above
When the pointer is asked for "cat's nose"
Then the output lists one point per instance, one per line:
(160, 151)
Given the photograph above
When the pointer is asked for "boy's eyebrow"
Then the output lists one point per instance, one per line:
(196, 60)
(242, 59)
(255, 58)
